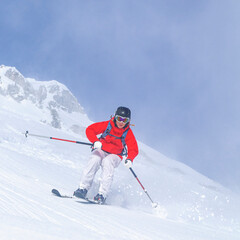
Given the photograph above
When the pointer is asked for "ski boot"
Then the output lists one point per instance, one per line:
(80, 193)
(99, 199)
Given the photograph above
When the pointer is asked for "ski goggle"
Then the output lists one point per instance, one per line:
(122, 119)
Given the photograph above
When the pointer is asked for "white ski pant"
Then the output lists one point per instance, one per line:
(107, 162)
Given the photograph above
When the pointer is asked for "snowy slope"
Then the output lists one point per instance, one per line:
(197, 207)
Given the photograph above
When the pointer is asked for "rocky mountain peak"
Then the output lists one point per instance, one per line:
(50, 95)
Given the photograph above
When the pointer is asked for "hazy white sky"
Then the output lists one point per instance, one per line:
(174, 63)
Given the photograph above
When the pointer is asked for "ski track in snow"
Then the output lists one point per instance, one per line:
(48, 217)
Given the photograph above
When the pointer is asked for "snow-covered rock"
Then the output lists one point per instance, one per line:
(52, 97)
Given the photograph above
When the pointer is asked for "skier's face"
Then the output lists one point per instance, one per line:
(120, 124)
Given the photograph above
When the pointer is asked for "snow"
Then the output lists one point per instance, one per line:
(191, 206)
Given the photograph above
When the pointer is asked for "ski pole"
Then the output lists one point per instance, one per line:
(154, 204)
(53, 138)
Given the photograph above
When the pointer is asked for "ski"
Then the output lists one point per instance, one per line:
(88, 201)
(56, 193)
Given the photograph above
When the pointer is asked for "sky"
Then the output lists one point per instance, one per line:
(174, 63)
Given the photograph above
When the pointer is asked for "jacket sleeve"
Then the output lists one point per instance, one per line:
(132, 145)
(95, 129)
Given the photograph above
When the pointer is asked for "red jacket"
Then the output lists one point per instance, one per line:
(110, 144)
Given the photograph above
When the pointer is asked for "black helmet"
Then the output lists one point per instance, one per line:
(123, 112)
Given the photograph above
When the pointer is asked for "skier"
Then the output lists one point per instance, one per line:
(117, 140)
